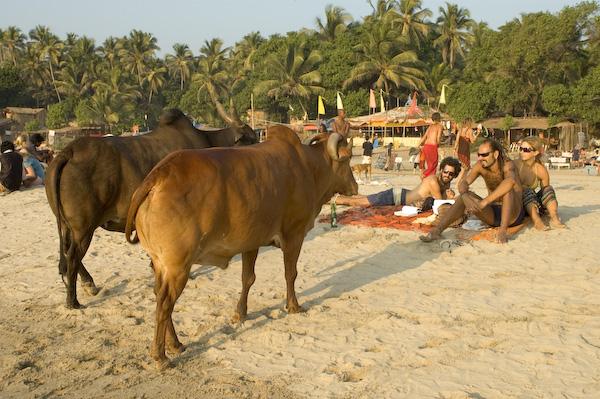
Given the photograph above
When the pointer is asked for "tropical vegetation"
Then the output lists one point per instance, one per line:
(540, 63)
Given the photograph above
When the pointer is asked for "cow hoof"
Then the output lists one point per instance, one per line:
(295, 309)
(74, 305)
(163, 364)
(238, 318)
(176, 349)
(91, 288)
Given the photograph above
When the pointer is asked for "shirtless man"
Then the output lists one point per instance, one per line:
(503, 184)
(435, 186)
(429, 144)
(340, 124)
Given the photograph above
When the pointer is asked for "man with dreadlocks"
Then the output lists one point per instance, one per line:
(503, 207)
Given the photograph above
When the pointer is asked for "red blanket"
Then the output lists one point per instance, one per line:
(383, 216)
(379, 216)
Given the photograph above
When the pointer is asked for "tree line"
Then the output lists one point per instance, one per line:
(538, 64)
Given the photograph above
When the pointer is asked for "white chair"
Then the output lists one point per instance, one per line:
(398, 163)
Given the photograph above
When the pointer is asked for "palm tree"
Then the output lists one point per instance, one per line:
(35, 72)
(246, 48)
(137, 53)
(211, 74)
(115, 83)
(385, 61)
(381, 9)
(110, 50)
(435, 79)
(336, 19)
(453, 26)
(48, 47)
(12, 41)
(180, 64)
(156, 79)
(412, 16)
(294, 76)
(78, 69)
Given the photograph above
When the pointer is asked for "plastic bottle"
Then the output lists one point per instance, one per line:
(333, 216)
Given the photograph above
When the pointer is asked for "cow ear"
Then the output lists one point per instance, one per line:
(344, 152)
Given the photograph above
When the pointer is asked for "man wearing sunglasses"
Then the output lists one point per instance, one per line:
(503, 207)
(432, 187)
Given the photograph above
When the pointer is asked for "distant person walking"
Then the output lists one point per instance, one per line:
(429, 145)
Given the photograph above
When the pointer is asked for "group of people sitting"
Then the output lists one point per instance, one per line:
(23, 163)
(516, 188)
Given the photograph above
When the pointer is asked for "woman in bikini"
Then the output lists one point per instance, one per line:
(533, 175)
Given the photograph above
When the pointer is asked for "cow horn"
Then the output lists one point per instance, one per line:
(332, 145)
(310, 140)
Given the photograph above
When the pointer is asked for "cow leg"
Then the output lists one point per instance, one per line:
(291, 252)
(248, 278)
(77, 247)
(168, 287)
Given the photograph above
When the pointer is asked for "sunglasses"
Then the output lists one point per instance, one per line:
(448, 172)
(483, 154)
(527, 149)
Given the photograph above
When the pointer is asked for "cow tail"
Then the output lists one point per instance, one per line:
(136, 200)
(64, 230)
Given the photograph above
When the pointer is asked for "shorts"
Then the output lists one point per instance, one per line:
(498, 216)
(366, 159)
(388, 197)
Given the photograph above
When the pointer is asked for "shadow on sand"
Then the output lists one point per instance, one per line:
(395, 258)
(570, 212)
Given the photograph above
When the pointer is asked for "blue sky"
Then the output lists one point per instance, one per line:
(193, 22)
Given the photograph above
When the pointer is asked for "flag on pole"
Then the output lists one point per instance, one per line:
(321, 107)
(339, 101)
(372, 102)
(381, 103)
(443, 95)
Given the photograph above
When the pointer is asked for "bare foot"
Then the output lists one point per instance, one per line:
(432, 236)
(557, 224)
(540, 226)
(501, 237)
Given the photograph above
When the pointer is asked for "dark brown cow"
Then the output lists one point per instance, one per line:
(90, 183)
(206, 206)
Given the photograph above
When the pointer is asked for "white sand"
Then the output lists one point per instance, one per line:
(387, 316)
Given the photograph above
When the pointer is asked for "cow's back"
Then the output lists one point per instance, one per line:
(236, 198)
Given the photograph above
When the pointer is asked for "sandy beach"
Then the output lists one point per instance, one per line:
(386, 315)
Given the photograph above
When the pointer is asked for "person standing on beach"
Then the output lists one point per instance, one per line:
(534, 175)
(462, 147)
(429, 144)
(340, 124)
(503, 207)
(367, 151)
(11, 170)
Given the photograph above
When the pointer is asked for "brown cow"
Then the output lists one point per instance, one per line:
(206, 206)
(90, 183)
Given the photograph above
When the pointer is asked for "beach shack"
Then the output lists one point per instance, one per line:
(21, 116)
(398, 126)
(561, 136)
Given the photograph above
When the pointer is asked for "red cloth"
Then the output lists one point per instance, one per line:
(380, 216)
(431, 158)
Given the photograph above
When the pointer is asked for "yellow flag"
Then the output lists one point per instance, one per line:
(443, 95)
(339, 102)
(321, 107)
(381, 103)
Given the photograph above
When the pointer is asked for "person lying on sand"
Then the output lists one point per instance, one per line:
(503, 207)
(434, 187)
(533, 174)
